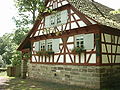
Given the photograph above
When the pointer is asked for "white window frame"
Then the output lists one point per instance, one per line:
(80, 40)
(85, 40)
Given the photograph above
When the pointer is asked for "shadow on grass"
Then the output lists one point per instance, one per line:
(12, 83)
(26, 84)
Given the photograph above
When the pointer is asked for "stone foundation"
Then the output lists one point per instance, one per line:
(110, 76)
(23, 68)
(85, 76)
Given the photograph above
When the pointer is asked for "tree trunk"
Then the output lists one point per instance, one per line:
(33, 16)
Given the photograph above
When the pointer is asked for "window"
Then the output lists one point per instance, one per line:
(52, 20)
(85, 41)
(53, 45)
(49, 45)
(58, 18)
(79, 41)
(42, 45)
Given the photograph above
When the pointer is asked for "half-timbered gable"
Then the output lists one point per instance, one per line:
(75, 34)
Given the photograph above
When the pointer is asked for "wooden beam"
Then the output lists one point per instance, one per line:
(79, 64)
(82, 30)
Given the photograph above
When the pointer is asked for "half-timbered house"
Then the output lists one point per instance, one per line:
(78, 43)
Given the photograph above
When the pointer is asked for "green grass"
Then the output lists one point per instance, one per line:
(3, 74)
(27, 84)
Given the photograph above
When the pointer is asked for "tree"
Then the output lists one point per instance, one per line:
(33, 6)
(115, 12)
(6, 47)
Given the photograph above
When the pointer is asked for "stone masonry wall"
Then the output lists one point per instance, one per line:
(110, 76)
(96, 77)
(23, 68)
(85, 76)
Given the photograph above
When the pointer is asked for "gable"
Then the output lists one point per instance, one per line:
(65, 17)
(78, 15)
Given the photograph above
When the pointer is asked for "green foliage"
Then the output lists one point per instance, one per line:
(6, 47)
(45, 53)
(49, 53)
(41, 53)
(16, 58)
(78, 50)
(19, 35)
(115, 12)
(16, 62)
(26, 55)
(33, 6)
(22, 20)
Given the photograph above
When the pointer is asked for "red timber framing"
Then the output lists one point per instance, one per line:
(64, 48)
(110, 44)
(98, 30)
(39, 32)
(67, 30)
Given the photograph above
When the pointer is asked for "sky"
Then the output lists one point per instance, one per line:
(8, 10)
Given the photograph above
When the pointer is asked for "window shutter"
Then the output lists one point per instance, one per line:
(89, 41)
(64, 17)
(47, 21)
(36, 46)
(55, 45)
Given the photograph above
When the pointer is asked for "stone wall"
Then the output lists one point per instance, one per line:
(110, 76)
(23, 68)
(85, 76)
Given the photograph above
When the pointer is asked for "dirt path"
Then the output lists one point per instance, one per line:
(3, 82)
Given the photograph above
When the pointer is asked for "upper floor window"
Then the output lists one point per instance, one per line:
(58, 18)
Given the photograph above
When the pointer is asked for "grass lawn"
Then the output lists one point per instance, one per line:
(13, 83)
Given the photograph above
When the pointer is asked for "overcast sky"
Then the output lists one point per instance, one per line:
(7, 11)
